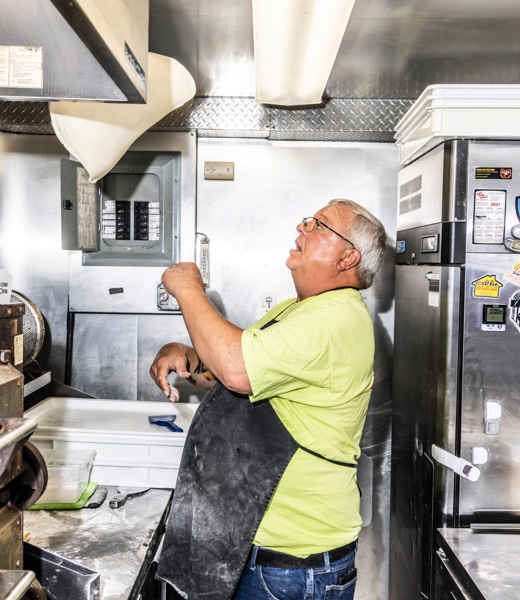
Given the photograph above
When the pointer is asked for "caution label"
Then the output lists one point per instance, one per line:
(486, 286)
(18, 350)
(493, 173)
(21, 66)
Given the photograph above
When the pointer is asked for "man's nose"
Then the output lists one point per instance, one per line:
(300, 228)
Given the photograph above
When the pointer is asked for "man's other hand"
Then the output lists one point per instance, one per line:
(171, 357)
(182, 276)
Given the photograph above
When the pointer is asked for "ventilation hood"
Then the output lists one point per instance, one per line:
(74, 50)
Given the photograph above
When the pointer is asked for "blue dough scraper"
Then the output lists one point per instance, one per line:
(166, 421)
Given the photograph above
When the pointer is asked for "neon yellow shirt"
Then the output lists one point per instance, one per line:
(316, 367)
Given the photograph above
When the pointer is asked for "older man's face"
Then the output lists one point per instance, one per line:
(320, 248)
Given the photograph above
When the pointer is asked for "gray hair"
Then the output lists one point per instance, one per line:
(369, 237)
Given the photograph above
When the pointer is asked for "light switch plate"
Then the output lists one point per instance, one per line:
(219, 170)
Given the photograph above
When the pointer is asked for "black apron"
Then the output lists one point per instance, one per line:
(234, 457)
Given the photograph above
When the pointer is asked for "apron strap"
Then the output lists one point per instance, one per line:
(274, 320)
(336, 462)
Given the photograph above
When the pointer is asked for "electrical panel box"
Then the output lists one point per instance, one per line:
(143, 215)
(130, 217)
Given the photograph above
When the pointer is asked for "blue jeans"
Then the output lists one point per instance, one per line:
(317, 583)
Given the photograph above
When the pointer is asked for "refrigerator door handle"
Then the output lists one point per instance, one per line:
(430, 276)
(459, 465)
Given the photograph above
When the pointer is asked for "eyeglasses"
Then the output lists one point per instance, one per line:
(309, 223)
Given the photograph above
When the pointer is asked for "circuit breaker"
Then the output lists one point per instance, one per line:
(130, 217)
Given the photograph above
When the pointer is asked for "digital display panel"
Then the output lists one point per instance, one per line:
(429, 243)
(494, 314)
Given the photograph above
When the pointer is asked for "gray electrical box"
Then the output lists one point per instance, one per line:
(79, 209)
(128, 218)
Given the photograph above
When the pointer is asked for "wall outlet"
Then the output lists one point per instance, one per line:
(268, 299)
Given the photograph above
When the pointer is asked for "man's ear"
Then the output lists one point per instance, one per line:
(349, 261)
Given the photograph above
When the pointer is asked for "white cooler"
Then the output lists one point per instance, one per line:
(449, 111)
(129, 450)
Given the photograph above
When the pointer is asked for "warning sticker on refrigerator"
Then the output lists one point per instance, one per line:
(514, 275)
(493, 173)
(489, 217)
(486, 286)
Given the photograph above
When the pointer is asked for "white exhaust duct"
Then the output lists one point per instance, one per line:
(296, 42)
(99, 133)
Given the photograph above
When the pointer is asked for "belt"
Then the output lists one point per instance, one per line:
(270, 558)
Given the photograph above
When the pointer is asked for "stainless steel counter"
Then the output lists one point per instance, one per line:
(488, 564)
(113, 542)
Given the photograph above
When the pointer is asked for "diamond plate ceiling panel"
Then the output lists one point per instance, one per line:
(338, 120)
(343, 115)
(25, 117)
(300, 135)
(218, 113)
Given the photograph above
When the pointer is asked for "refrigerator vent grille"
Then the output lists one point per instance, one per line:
(410, 197)
(410, 204)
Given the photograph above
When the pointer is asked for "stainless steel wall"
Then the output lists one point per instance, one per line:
(30, 233)
(251, 223)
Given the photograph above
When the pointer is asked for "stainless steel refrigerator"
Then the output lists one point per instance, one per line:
(456, 400)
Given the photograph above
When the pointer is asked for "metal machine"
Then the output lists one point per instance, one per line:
(23, 474)
(456, 402)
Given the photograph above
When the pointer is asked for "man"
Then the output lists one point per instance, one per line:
(307, 367)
